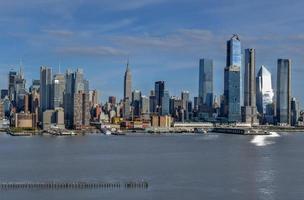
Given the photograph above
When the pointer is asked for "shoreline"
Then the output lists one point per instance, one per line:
(221, 130)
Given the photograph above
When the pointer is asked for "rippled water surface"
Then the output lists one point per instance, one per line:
(211, 166)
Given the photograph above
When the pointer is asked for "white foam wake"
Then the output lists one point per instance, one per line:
(263, 140)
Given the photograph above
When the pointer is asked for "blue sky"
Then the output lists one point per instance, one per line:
(164, 39)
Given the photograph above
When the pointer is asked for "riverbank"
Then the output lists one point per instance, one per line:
(259, 130)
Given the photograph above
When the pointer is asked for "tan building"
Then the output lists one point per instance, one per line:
(161, 121)
(2, 111)
(165, 121)
(53, 118)
(25, 120)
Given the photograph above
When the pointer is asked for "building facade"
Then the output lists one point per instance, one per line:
(283, 107)
(45, 88)
(249, 110)
(232, 81)
(206, 83)
(128, 83)
(264, 95)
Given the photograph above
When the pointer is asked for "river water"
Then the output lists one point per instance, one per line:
(210, 166)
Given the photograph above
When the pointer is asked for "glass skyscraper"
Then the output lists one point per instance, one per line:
(283, 91)
(264, 91)
(45, 88)
(232, 80)
(165, 107)
(58, 90)
(159, 93)
(206, 82)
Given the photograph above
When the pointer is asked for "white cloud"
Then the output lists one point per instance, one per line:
(90, 51)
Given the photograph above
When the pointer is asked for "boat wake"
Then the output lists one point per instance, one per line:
(264, 140)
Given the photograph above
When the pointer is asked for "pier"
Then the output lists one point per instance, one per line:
(74, 185)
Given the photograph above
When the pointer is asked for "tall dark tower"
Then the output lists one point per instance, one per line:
(249, 110)
(283, 91)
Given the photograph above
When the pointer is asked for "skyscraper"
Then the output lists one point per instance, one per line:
(136, 103)
(283, 91)
(294, 111)
(58, 90)
(249, 111)
(128, 83)
(159, 93)
(206, 82)
(232, 80)
(185, 95)
(45, 88)
(68, 98)
(165, 106)
(145, 107)
(264, 94)
(76, 99)
(81, 111)
(11, 85)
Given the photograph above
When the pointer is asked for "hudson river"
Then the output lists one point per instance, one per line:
(211, 166)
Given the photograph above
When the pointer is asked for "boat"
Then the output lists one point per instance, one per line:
(200, 131)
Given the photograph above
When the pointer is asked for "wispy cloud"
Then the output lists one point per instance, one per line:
(90, 51)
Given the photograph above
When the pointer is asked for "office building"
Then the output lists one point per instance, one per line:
(264, 95)
(136, 103)
(206, 83)
(283, 92)
(128, 83)
(45, 88)
(165, 107)
(159, 93)
(249, 110)
(232, 81)
(58, 90)
(295, 111)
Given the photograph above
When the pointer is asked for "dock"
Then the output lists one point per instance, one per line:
(74, 185)
(240, 131)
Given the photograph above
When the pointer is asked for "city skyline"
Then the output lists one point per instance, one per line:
(157, 48)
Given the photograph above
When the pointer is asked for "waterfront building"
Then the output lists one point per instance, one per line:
(264, 95)
(24, 120)
(205, 92)
(128, 83)
(58, 90)
(159, 93)
(249, 110)
(283, 91)
(165, 108)
(53, 118)
(45, 88)
(295, 111)
(161, 121)
(232, 80)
